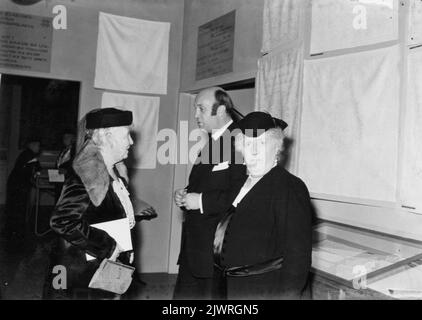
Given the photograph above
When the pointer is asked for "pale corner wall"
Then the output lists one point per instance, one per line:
(73, 58)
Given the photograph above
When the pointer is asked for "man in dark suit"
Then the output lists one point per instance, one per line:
(205, 199)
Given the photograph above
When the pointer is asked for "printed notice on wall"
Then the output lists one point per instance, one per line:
(25, 41)
(215, 47)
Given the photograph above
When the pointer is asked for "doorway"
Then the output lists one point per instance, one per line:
(32, 107)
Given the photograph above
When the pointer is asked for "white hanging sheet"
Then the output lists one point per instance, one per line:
(145, 125)
(340, 24)
(132, 54)
(283, 21)
(349, 129)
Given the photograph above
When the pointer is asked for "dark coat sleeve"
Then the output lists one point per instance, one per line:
(217, 202)
(297, 240)
(68, 221)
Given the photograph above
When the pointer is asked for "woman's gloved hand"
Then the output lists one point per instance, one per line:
(143, 210)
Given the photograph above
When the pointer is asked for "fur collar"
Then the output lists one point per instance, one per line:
(90, 167)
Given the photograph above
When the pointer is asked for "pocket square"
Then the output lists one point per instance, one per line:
(221, 166)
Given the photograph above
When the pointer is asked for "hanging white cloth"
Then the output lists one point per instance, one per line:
(132, 54)
(341, 24)
(278, 85)
(350, 125)
(144, 129)
(282, 23)
(278, 90)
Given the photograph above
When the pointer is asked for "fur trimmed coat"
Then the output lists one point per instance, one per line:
(87, 198)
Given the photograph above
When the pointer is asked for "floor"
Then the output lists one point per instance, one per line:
(23, 270)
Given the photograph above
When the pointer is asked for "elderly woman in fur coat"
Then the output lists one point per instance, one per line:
(93, 192)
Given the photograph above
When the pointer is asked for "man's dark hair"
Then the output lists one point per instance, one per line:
(223, 99)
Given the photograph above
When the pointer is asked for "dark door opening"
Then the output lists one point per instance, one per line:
(34, 107)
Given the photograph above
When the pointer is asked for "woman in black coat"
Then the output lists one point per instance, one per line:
(263, 246)
(93, 192)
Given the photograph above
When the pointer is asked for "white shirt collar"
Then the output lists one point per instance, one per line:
(216, 134)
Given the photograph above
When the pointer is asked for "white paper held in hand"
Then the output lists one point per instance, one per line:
(55, 176)
(119, 230)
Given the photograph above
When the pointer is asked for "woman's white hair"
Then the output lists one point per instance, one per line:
(274, 135)
(96, 135)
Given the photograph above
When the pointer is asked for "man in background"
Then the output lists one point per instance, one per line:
(19, 184)
(65, 158)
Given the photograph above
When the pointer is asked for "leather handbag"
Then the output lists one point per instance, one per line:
(112, 276)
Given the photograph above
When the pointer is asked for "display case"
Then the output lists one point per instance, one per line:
(357, 261)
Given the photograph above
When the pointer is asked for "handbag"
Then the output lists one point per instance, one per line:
(112, 276)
